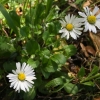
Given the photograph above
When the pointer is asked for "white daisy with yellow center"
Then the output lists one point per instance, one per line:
(21, 78)
(91, 19)
(71, 27)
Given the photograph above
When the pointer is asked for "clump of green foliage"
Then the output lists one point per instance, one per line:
(33, 37)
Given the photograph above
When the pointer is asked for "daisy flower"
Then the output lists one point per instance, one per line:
(21, 78)
(91, 19)
(70, 27)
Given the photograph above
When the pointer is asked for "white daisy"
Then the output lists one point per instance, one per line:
(21, 78)
(91, 19)
(71, 27)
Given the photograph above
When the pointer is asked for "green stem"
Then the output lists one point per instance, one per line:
(25, 6)
(90, 78)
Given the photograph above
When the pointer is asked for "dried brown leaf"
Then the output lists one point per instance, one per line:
(97, 98)
(74, 5)
(96, 41)
(90, 50)
(70, 1)
(75, 69)
(84, 50)
(87, 3)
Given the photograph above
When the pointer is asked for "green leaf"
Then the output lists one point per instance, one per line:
(45, 73)
(9, 19)
(59, 58)
(90, 83)
(3, 1)
(6, 47)
(51, 66)
(24, 31)
(69, 50)
(70, 88)
(45, 55)
(45, 35)
(38, 12)
(9, 66)
(32, 46)
(52, 28)
(79, 1)
(94, 71)
(54, 83)
(57, 89)
(15, 18)
(90, 78)
(1, 73)
(30, 95)
(33, 63)
(50, 15)
(48, 6)
(81, 73)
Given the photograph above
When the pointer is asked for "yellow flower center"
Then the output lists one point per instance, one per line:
(91, 19)
(69, 27)
(21, 76)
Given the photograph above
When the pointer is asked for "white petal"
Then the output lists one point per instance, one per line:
(90, 28)
(23, 66)
(82, 14)
(63, 23)
(29, 73)
(12, 80)
(67, 18)
(79, 20)
(25, 85)
(77, 32)
(13, 83)
(14, 72)
(73, 35)
(95, 10)
(18, 86)
(11, 75)
(78, 25)
(86, 27)
(94, 29)
(22, 87)
(18, 65)
(87, 11)
(98, 24)
(77, 28)
(62, 30)
(28, 84)
(30, 81)
(98, 16)
(19, 90)
(63, 35)
(27, 67)
(91, 13)
(67, 37)
(18, 71)
(71, 19)
(29, 78)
